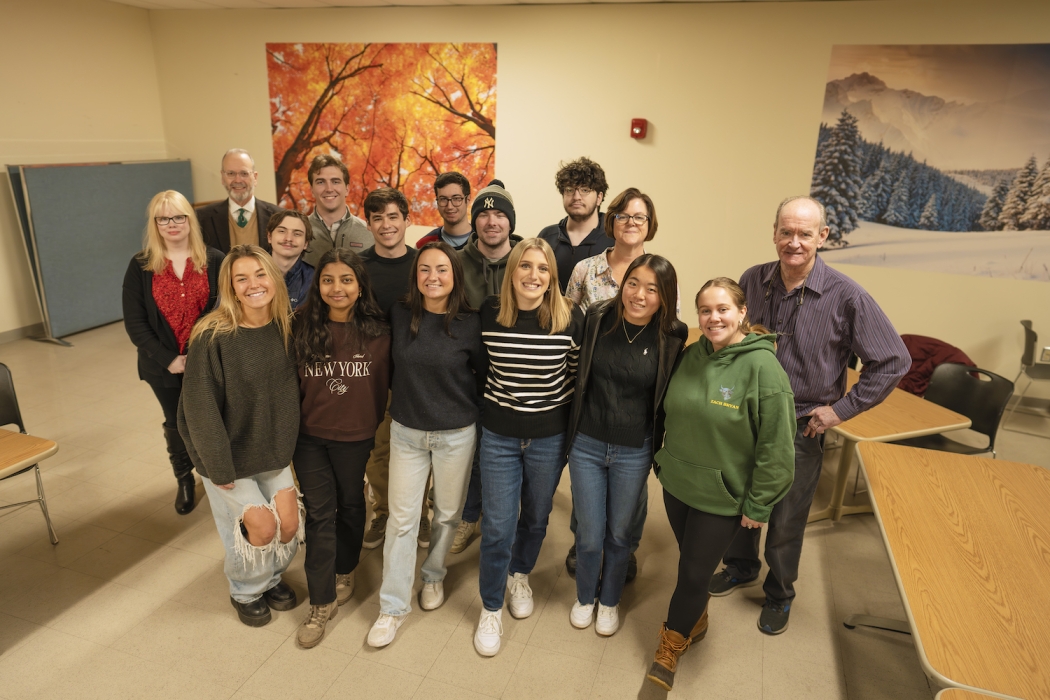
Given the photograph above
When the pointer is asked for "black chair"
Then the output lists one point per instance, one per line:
(10, 415)
(982, 401)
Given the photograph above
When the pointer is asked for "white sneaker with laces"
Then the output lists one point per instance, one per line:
(432, 595)
(384, 629)
(608, 620)
(490, 629)
(463, 534)
(520, 595)
(581, 615)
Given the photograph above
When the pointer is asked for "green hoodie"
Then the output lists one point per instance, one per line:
(729, 447)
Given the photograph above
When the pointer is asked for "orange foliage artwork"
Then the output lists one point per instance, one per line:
(397, 114)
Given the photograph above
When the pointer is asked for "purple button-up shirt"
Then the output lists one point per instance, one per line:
(819, 324)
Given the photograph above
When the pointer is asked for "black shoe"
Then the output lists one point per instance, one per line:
(570, 562)
(632, 568)
(253, 614)
(774, 617)
(723, 583)
(281, 597)
(185, 500)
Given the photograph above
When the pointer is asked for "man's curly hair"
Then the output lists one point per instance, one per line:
(582, 172)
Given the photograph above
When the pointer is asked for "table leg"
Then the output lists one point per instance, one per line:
(881, 623)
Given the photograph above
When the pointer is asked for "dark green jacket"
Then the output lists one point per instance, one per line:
(729, 447)
(482, 278)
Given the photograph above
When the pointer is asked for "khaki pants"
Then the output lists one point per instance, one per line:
(377, 471)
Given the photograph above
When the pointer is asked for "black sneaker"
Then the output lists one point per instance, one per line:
(632, 568)
(723, 583)
(253, 614)
(570, 561)
(774, 617)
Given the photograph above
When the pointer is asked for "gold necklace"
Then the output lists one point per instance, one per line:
(631, 340)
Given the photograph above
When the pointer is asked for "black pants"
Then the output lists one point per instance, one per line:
(787, 526)
(331, 477)
(703, 539)
(169, 403)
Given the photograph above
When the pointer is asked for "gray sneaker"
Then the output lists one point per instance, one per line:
(723, 583)
(424, 533)
(311, 632)
(376, 533)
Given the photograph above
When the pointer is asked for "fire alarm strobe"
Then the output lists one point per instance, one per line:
(638, 128)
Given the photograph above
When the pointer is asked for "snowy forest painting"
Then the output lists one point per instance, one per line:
(937, 158)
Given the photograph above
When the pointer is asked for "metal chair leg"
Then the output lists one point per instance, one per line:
(1017, 403)
(881, 623)
(52, 535)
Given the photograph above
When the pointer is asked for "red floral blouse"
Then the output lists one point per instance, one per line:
(181, 302)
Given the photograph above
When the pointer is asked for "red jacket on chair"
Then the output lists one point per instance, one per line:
(926, 353)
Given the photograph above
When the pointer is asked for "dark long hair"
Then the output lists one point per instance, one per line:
(312, 337)
(457, 300)
(666, 287)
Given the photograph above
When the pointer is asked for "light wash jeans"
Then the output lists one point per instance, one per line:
(412, 452)
(253, 570)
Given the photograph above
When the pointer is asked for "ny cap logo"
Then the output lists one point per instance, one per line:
(490, 203)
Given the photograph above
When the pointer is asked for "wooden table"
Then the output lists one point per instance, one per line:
(969, 543)
(960, 694)
(18, 451)
(900, 416)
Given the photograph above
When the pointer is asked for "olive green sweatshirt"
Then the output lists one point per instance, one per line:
(729, 446)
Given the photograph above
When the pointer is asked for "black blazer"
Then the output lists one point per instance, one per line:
(669, 349)
(215, 223)
(147, 327)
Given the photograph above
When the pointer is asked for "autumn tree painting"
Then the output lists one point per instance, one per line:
(397, 114)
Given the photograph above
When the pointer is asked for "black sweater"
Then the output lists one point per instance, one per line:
(531, 373)
(147, 327)
(436, 378)
(239, 412)
(390, 277)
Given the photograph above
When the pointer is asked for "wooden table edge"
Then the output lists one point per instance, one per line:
(904, 435)
(15, 467)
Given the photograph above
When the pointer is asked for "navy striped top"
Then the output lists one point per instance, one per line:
(819, 324)
(531, 373)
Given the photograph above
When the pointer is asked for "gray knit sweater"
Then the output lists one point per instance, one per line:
(239, 411)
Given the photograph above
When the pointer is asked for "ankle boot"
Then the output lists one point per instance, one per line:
(183, 468)
(672, 646)
(700, 628)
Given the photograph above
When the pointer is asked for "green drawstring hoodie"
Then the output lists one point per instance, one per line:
(729, 447)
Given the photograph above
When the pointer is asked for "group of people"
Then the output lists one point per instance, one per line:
(462, 377)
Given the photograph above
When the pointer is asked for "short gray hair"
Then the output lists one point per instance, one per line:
(789, 200)
(237, 152)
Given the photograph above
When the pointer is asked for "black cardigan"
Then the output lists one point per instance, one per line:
(147, 327)
(670, 347)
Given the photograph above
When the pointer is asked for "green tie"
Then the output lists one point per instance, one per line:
(241, 221)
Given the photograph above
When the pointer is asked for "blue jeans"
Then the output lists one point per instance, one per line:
(606, 482)
(412, 452)
(472, 508)
(252, 570)
(641, 512)
(517, 474)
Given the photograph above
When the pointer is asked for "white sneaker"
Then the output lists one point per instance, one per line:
(581, 615)
(384, 629)
(432, 595)
(608, 620)
(463, 534)
(490, 629)
(520, 595)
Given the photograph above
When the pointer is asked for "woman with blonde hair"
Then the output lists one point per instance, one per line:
(239, 416)
(531, 335)
(728, 455)
(169, 284)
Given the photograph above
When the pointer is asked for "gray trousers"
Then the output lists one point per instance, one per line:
(787, 526)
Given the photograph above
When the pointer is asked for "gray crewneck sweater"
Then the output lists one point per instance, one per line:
(239, 411)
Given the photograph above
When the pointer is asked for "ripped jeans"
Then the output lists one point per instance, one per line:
(253, 570)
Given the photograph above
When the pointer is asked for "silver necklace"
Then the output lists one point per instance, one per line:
(631, 340)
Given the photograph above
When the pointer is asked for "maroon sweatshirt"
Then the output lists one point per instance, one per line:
(344, 397)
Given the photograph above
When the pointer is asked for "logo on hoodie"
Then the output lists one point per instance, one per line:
(727, 393)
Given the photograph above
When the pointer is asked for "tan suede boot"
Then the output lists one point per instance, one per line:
(672, 646)
(700, 628)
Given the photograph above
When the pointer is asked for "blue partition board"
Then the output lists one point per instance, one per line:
(88, 220)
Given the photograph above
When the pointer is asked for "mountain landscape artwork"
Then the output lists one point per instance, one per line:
(937, 158)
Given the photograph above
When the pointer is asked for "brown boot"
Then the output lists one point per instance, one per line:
(672, 646)
(700, 628)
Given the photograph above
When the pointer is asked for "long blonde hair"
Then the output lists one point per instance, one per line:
(227, 316)
(154, 254)
(555, 312)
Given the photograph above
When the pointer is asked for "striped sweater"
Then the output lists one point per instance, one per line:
(531, 374)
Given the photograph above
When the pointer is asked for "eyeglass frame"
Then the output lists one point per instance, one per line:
(165, 220)
(623, 218)
(571, 191)
(451, 200)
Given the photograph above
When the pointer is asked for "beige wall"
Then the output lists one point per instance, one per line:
(733, 93)
(79, 85)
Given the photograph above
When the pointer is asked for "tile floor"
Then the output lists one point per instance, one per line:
(133, 602)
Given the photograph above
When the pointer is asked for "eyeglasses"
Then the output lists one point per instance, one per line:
(165, 220)
(244, 174)
(640, 219)
(457, 200)
(583, 191)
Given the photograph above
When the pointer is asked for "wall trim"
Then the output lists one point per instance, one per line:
(35, 330)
